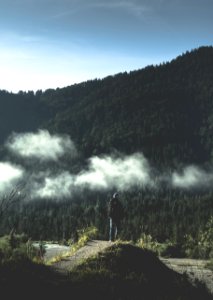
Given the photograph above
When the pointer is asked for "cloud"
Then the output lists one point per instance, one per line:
(40, 145)
(59, 186)
(103, 173)
(192, 177)
(9, 176)
(135, 8)
(120, 173)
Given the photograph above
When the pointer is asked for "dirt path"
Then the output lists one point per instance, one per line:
(195, 269)
(92, 248)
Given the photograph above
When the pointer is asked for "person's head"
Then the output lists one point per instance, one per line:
(115, 196)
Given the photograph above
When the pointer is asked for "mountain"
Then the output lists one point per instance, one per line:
(165, 111)
(19, 112)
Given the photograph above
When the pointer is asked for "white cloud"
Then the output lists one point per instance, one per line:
(137, 9)
(121, 173)
(40, 145)
(191, 177)
(102, 174)
(59, 186)
(9, 175)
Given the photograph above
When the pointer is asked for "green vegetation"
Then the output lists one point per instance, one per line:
(81, 239)
(21, 268)
(202, 246)
(163, 111)
(15, 248)
(171, 218)
(124, 271)
(84, 235)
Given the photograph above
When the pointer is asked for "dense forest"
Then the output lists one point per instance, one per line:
(164, 111)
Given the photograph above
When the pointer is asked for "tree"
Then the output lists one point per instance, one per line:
(13, 197)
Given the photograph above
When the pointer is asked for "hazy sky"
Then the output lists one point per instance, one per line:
(55, 43)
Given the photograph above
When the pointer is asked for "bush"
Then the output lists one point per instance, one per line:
(167, 249)
(15, 248)
(147, 242)
(84, 235)
(202, 245)
(173, 251)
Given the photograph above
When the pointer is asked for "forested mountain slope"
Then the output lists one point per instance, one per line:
(164, 111)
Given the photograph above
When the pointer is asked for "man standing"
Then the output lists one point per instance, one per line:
(115, 216)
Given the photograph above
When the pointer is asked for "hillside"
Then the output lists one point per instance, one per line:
(121, 271)
(165, 111)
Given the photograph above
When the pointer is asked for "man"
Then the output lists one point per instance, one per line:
(115, 216)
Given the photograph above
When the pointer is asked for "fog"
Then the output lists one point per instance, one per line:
(191, 177)
(40, 145)
(9, 175)
(119, 173)
(100, 173)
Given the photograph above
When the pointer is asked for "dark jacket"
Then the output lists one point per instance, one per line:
(115, 210)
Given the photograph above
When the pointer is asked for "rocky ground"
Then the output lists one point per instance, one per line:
(195, 269)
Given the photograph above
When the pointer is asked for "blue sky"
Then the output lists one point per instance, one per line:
(55, 43)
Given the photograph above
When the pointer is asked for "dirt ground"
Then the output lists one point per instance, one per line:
(195, 269)
(92, 248)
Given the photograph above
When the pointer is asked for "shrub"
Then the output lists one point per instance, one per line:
(200, 246)
(147, 242)
(173, 250)
(15, 248)
(87, 234)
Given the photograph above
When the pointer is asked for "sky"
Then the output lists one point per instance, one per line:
(56, 43)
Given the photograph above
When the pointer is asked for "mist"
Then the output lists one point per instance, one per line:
(120, 173)
(101, 173)
(9, 175)
(192, 177)
(54, 187)
(40, 145)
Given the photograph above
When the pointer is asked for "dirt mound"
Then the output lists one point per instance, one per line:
(123, 271)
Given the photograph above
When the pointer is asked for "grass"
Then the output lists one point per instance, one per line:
(85, 235)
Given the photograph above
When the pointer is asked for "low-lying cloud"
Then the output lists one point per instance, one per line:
(59, 186)
(55, 181)
(120, 173)
(103, 173)
(40, 145)
(9, 175)
(192, 177)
